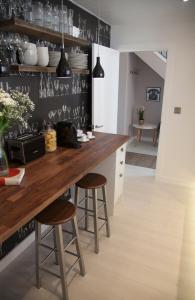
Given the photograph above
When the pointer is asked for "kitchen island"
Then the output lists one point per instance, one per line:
(49, 177)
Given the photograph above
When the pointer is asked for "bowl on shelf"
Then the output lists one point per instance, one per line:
(78, 60)
(54, 58)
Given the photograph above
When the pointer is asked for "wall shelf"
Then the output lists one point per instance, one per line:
(23, 27)
(39, 69)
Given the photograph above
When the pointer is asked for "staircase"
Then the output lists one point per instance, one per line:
(156, 60)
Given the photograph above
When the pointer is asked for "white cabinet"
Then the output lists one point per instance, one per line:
(120, 172)
(105, 90)
(113, 168)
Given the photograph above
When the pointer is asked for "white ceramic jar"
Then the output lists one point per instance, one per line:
(30, 57)
(43, 56)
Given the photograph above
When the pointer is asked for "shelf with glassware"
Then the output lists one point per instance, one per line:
(39, 69)
(23, 27)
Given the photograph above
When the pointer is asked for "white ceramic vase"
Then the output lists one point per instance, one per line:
(43, 56)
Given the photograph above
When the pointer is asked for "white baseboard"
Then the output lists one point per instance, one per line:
(10, 257)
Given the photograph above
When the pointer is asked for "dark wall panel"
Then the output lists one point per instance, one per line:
(56, 99)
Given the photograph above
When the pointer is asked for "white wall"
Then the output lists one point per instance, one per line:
(176, 159)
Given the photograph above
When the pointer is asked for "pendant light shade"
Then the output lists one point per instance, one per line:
(63, 70)
(98, 71)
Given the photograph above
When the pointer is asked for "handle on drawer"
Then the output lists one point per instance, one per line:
(122, 162)
(121, 175)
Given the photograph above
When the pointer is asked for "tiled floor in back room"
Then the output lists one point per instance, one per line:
(141, 260)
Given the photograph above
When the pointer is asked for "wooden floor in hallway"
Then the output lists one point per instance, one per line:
(141, 260)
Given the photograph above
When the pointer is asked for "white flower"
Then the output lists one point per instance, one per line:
(14, 107)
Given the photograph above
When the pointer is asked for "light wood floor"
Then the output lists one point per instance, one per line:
(141, 260)
(141, 160)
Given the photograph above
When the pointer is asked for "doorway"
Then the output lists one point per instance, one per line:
(141, 90)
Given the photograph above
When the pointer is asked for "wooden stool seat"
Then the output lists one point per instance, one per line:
(92, 181)
(59, 212)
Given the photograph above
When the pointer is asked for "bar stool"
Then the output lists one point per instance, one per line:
(93, 182)
(56, 214)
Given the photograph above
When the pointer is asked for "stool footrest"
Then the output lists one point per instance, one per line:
(72, 266)
(83, 217)
(90, 231)
(88, 210)
(72, 253)
(44, 260)
(49, 271)
(90, 197)
(70, 243)
(47, 233)
(46, 246)
(67, 231)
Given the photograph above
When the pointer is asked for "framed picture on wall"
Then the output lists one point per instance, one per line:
(153, 94)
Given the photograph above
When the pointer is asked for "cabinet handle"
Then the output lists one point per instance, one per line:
(122, 149)
(121, 175)
(122, 162)
(99, 126)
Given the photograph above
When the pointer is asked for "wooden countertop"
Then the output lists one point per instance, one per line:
(49, 177)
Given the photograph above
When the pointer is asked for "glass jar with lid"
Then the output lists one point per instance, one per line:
(50, 139)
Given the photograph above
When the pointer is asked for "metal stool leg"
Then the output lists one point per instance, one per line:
(106, 211)
(60, 247)
(76, 196)
(55, 247)
(96, 230)
(78, 247)
(86, 208)
(37, 257)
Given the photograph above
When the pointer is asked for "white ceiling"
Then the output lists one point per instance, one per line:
(120, 12)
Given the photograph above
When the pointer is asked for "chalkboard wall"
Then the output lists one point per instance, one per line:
(56, 99)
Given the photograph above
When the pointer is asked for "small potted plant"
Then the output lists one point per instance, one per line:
(141, 112)
(14, 108)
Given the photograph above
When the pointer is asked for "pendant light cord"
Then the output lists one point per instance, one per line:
(62, 6)
(98, 29)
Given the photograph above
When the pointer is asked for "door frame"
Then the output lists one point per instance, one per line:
(152, 49)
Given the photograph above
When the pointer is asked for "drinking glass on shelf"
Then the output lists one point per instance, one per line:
(14, 42)
(63, 18)
(3, 10)
(70, 21)
(48, 15)
(37, 10)
(28, 13)
(56, 19)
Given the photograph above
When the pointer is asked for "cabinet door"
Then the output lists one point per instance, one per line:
(105, 90)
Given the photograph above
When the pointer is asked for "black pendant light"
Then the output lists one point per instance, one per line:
(63, 69)
(98, 71)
